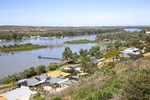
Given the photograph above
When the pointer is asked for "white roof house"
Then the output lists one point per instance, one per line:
(22, 93)
(134, 51)
(147, 32)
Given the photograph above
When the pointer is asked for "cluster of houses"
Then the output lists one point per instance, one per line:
(37, 37)
(25, 90)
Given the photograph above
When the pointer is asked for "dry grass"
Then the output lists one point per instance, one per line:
(130, 64)
(57, 74)
(147, 55)
(99, 79)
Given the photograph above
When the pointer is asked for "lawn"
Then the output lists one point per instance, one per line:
(58, 72)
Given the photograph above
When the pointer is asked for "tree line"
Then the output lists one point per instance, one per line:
(57, 33)
(28, 73)
(82, 41)
(93, 52)
(83, 58)
(117, 41)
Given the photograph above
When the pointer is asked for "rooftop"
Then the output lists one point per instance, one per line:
(22, 93)
(34, 81)
(54, 80)
(133, 48)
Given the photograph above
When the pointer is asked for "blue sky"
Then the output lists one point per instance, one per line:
(75, 12)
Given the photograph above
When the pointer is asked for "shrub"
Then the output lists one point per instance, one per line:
(137, 86)
(52, 66)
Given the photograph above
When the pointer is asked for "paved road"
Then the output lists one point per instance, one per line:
(6, 86)
(3, 87)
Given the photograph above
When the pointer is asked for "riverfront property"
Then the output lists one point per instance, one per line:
(98, 69)
(26, 59)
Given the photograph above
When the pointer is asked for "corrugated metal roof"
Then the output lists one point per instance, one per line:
(35, 81)
(55, 80)
(63, 81)
(23, 92)
(94, 60)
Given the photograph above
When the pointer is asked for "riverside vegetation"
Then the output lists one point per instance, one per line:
(83, 41)
(57, 32)
(20, 47)
(68, 57)
(127, 79)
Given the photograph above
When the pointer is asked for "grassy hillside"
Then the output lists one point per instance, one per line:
(123, 80)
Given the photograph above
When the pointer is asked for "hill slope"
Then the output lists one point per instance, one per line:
(127, 79)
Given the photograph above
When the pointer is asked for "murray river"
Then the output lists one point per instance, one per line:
(19, 61)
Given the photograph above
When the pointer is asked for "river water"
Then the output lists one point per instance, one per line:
(19, 61)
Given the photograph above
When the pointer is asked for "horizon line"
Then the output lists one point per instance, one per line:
(77, 26)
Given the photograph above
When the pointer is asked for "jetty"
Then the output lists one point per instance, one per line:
(49, 58)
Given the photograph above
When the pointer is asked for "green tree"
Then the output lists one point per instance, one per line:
(83, 52)
(111, 54)
(52, 66)
(32, 71)
(29, 72)
(84, 63)
(26, 73)
(67, 54)
(40, 69)
(110, 47)
(9, 80)
(95, 51)
(117, 44)
(75, 57)
(57, 98)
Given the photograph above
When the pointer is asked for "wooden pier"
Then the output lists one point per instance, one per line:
(49, 58)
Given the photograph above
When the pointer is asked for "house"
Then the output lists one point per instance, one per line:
(54, 80)
(73, 68)
(124, 55)
(106, 40)
(59, 81)
(142, 43)
(147, 32)
(93, 60)
(131, 51)
(128, 52)
(33, 81)
(22, 93)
